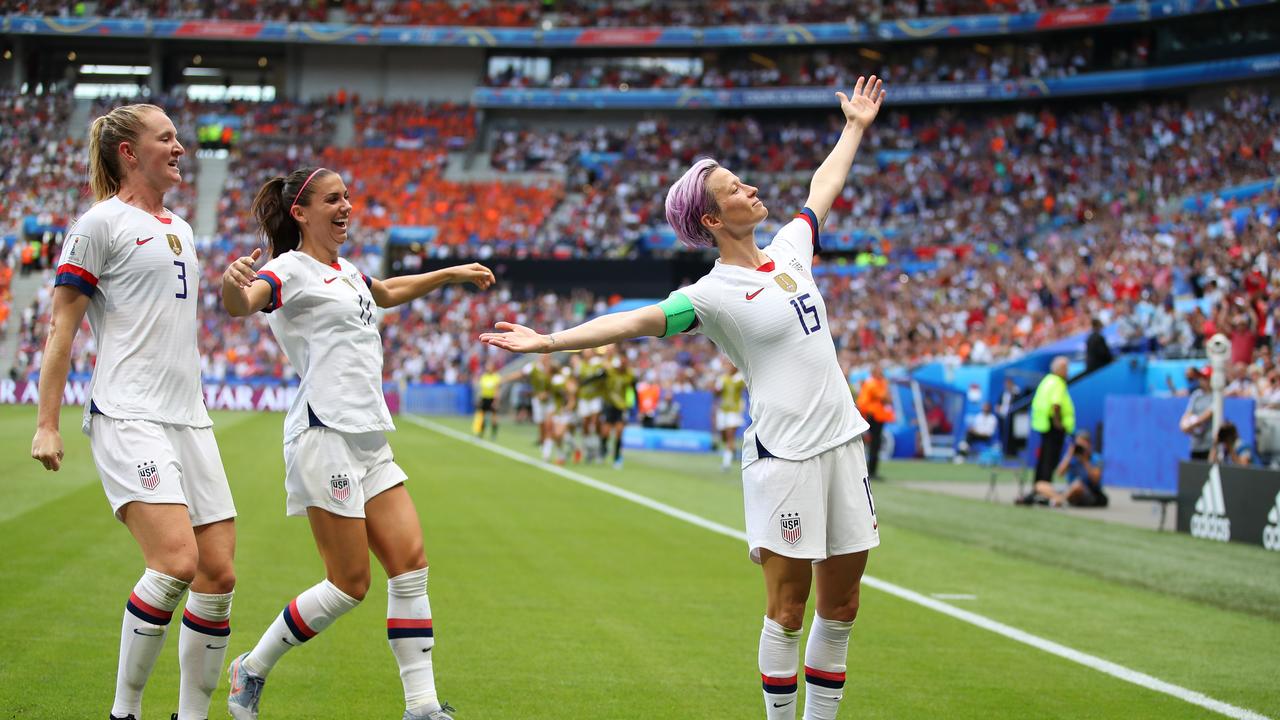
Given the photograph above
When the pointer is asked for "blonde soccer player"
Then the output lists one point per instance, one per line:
(130, 264)
(809, 511)
(339, 469)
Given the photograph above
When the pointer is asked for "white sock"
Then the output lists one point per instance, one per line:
(304, 617)
(726, 457)
(146, 620)
(412, 638)
(824, 667)
(546, 449)
(779, 658)
(202, 645)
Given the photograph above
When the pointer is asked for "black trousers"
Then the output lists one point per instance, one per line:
(875, 435)
(1051, 446)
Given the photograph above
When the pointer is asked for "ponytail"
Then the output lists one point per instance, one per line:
(123, 124)
(272, 208)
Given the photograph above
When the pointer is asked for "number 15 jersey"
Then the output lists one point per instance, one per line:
(772, 323)
(323, 317)
(143, 280)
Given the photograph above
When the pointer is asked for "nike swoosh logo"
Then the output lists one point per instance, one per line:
(783, 704)
(142, 241)
(426, 649)
(156, 634)
(752, 296)
(214, 647)
(329, 280)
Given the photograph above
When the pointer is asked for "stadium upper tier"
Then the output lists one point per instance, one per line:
(633, 23)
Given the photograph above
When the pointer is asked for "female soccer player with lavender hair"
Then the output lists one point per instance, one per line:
(808, 503)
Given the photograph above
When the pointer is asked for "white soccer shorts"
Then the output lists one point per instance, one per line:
(158, 463)
(589, 406)
(542, 410)
(811, 509)
(337, 471)
(728, 420)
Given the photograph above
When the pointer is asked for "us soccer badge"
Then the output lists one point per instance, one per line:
(340, 487)
(791, 528)
(785, 282)
(175, 244)
(149, 474)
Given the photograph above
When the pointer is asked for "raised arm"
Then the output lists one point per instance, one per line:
(859, 111)
(399, 290)
(649, 320)
(69, 306)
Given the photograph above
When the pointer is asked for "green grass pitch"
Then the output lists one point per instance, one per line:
(554, 600)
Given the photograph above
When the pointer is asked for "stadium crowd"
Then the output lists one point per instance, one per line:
(505, 13)
(916, 63)
(995, 233)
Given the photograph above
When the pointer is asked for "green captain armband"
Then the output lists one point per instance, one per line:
(679, 312)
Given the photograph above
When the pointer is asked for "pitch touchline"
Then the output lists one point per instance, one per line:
(986, 623)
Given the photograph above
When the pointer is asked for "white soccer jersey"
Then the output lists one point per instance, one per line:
(772, 323)
(323, 317)
(143, 280)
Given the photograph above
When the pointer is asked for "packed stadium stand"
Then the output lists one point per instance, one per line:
(968, 233)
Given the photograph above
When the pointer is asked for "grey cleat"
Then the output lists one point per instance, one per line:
(246, 691)
(442, 714)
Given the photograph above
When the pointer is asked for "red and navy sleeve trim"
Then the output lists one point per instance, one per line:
(368, 282)
(76, 277)
(276, 288)
(812, 218)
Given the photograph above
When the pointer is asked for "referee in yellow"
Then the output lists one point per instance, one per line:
(1053, 415)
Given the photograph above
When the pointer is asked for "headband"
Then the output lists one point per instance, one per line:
(304, 187)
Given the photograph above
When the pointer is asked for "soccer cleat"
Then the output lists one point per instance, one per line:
(617, 464)
(130, 716)
(577, 457)
(442, 714)
(174, 716)
(246, 691)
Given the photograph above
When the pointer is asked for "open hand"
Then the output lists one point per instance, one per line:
(516, 338)
(862, 106)
(241, 273)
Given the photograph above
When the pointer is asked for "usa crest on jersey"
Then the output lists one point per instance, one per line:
(149, 474)
(791, 528)
(785, 282)
(340, 487)
(175, 243)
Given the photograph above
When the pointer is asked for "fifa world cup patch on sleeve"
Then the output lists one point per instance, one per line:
(791, 530)
(340, 487)
(75, 251)
(149, 474)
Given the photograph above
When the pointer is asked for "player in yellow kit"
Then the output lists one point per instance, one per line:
(487, 409)
(729, 406)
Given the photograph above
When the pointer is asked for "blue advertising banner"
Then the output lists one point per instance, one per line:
(725, 36)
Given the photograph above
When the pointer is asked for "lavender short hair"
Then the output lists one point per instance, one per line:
(688, 200)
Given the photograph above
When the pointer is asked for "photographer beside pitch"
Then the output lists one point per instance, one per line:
(1081, 467)
(808, 504)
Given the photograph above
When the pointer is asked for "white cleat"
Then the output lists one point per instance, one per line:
(246, 691)
(442, 714)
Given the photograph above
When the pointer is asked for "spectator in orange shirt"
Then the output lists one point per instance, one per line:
(876, 405)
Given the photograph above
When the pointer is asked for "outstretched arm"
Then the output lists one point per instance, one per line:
(399, 290)
(604, 330)
(859, 111)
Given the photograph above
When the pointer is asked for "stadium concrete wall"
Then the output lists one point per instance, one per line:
(436, 74)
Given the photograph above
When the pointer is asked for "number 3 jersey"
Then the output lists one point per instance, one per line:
(323, 317)
(772, 323)
(143, 280)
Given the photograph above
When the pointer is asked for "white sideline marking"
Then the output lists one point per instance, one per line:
(1091, 661)
(952, 596)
